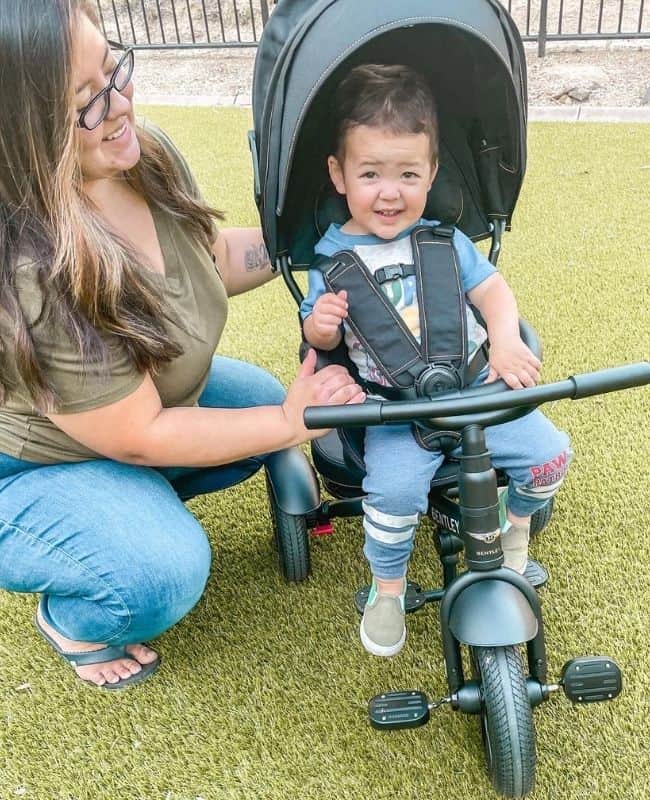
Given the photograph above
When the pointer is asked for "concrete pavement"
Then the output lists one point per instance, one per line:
(572, 113)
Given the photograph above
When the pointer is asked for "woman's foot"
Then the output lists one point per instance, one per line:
(105, 672)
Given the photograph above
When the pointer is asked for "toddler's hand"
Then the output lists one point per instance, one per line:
(329, 312)
(514, 362)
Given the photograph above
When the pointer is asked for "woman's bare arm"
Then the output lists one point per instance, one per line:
(242, 259)
(138, 430)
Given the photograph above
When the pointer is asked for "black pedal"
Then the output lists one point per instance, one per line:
(407, 709)
(591, 679)
(413, 599)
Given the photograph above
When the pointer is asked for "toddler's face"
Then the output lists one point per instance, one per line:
(385, 178)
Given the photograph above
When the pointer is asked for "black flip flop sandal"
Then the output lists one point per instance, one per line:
(101, 656)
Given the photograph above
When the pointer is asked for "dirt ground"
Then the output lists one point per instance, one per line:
(598, 74)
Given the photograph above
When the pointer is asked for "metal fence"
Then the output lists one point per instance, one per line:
(179, 24)
(166, 24)
(545, 21)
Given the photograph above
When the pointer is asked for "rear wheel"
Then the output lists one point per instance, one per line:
(291, 539)
(541, 518)
(506, 719)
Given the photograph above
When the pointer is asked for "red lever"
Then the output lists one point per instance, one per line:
(322, 529)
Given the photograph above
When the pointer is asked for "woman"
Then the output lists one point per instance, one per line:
(114, 287)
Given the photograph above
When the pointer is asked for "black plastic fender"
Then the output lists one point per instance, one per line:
(492, 613)
(293, 481)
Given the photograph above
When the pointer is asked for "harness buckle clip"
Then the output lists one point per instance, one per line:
(389, 273)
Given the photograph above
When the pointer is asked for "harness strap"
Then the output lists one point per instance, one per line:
(374, 320)
(478, 362)
(391, 272)
(382, 331)
(441, 299)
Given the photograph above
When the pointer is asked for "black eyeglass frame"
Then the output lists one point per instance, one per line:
(106, 91)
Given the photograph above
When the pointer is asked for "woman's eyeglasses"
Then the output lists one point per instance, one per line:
(94, 113)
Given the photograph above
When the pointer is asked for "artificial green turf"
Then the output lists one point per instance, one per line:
(263, 688)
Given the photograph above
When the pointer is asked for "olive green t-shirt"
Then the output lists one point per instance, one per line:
(197, 304)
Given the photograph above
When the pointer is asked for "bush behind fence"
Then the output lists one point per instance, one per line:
(162, 24)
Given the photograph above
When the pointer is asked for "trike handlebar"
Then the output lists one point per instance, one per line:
(484, 405)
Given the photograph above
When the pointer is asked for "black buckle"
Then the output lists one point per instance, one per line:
(390, 273)
(446, 231)
(438, 378)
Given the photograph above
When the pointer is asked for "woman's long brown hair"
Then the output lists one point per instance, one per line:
(98, 282)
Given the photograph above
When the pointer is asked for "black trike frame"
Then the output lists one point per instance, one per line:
(469, 411)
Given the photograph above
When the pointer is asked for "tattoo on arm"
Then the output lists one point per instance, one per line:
(256, 258)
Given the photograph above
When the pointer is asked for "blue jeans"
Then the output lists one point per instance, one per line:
(530, 450)
(113, 551)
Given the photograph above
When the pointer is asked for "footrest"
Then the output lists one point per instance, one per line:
(413, 599)
(405, 709)
(591, 679)
(535, 573)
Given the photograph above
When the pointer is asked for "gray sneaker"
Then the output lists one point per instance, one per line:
(382, 630)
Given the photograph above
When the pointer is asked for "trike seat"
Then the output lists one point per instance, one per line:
(337, 468)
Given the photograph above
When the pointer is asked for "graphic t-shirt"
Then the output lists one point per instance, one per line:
(402, 292)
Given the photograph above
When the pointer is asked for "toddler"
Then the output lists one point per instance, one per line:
(384, 163)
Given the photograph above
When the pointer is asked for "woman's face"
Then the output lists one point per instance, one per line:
(112, 147)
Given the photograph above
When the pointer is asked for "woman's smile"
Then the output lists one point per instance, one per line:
(118, 134)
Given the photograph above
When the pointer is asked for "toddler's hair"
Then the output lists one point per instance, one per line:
(390, 96)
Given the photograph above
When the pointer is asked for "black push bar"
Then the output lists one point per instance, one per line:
(484, 405)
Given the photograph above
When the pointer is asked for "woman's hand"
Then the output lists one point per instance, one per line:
(513, 361)
(331, 386)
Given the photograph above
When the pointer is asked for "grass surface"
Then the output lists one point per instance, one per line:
(263, 688)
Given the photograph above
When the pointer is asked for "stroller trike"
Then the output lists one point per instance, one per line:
(472, 55)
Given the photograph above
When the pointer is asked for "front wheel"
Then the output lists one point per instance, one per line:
(292, 540)
(506, 719)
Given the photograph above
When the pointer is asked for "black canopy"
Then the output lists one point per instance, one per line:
(469, 51)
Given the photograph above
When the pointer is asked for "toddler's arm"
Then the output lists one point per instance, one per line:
(322, 328)
(510, 358)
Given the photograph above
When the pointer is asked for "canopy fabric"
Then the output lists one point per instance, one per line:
(470, 53)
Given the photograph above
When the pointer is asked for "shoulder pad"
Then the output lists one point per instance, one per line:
(326, 263)
(322, 263)
(443, 231)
